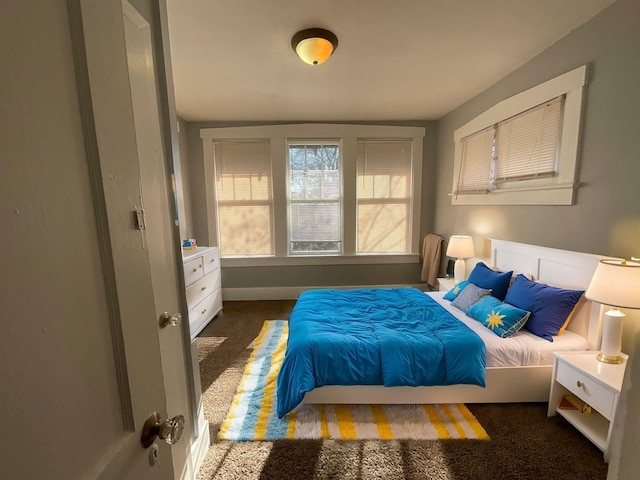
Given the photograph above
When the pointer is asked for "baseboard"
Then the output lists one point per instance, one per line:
(292, 293)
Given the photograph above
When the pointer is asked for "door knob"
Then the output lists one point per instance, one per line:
(166, 319)
(170, 429)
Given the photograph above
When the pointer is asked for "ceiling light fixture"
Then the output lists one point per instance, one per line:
(314, 45)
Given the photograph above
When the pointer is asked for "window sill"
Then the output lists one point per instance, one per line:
(549, 195)
(320, 260)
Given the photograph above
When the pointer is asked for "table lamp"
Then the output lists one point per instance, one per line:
(615, 283)
(460, 247)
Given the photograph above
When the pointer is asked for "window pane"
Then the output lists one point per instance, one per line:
(245, 230)
(477, 161)
(244, 197)
(393, 238)
(527, 144)
(315, 221)
(314, 198)
(383, 196)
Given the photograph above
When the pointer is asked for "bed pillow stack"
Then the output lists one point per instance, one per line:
(497, 282)
(550, 307)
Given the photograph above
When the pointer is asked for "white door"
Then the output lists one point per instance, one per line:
(158, 218)
(81, 349)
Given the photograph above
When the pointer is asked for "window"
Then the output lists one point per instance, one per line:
(522, 151)
(313, 194)
(383, 195)
(314, 198)
(522, 147)
(244, 198)
(527, 145)
(477, 159)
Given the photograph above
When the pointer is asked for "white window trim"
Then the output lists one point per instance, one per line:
(349, 135)
(558, 190)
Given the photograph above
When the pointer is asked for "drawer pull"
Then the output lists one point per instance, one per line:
(195, 270)
(579, 384)
(204, 288)
(203, 311)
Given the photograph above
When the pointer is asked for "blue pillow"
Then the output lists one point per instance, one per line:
(549, 306)
(501, 318)
(469, 295)
(455, 291)
(497, 282)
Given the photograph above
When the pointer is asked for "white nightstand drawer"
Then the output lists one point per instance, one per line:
(193, 271)
(202, 288)
(587, 389)
(211, 262)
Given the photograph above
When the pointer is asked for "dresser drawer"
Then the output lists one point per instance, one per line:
(193, 271)
(202, 288)
(200, 315)
(211, 262)
(587, 389)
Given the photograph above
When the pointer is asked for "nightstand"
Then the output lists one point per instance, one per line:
(595, 383)
(446, 284)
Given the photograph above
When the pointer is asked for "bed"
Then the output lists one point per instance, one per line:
(516, 369)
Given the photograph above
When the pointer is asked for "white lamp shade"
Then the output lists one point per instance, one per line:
(460, 246)
(616, 283)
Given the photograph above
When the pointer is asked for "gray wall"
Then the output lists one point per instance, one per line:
(606, 217)
(295, 276)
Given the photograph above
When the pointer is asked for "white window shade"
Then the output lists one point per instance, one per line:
(477, 162)
(527, 145)
(315, 222)
(244, 197)
(384, 196)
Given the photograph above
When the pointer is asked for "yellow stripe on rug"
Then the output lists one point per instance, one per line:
(252, 415)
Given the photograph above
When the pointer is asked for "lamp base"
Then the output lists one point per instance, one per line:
(610, 346)
(614, 359)
(459, 270)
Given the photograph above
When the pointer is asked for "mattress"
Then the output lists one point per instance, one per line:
(522, 349)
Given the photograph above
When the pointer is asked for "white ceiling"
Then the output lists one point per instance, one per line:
(396, 60)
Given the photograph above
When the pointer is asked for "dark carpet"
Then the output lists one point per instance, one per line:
(525, 444)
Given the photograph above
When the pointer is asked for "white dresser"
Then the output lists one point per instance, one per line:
(202, 281)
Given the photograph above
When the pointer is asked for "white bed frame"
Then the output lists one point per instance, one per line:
(560, 268)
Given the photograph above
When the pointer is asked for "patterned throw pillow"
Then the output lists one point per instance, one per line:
(455, 291)
(469, 295)
(501, 318)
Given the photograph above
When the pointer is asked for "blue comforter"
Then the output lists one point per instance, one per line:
(390, 337)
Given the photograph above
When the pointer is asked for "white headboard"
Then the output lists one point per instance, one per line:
(560, 268)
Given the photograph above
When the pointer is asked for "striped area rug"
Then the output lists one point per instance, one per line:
(252, 415)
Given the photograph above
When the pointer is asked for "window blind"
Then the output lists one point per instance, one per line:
(477, 162)
(244, 197)
(383, 196)
(527, 144)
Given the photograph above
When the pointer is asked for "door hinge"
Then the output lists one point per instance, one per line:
(140, 223)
